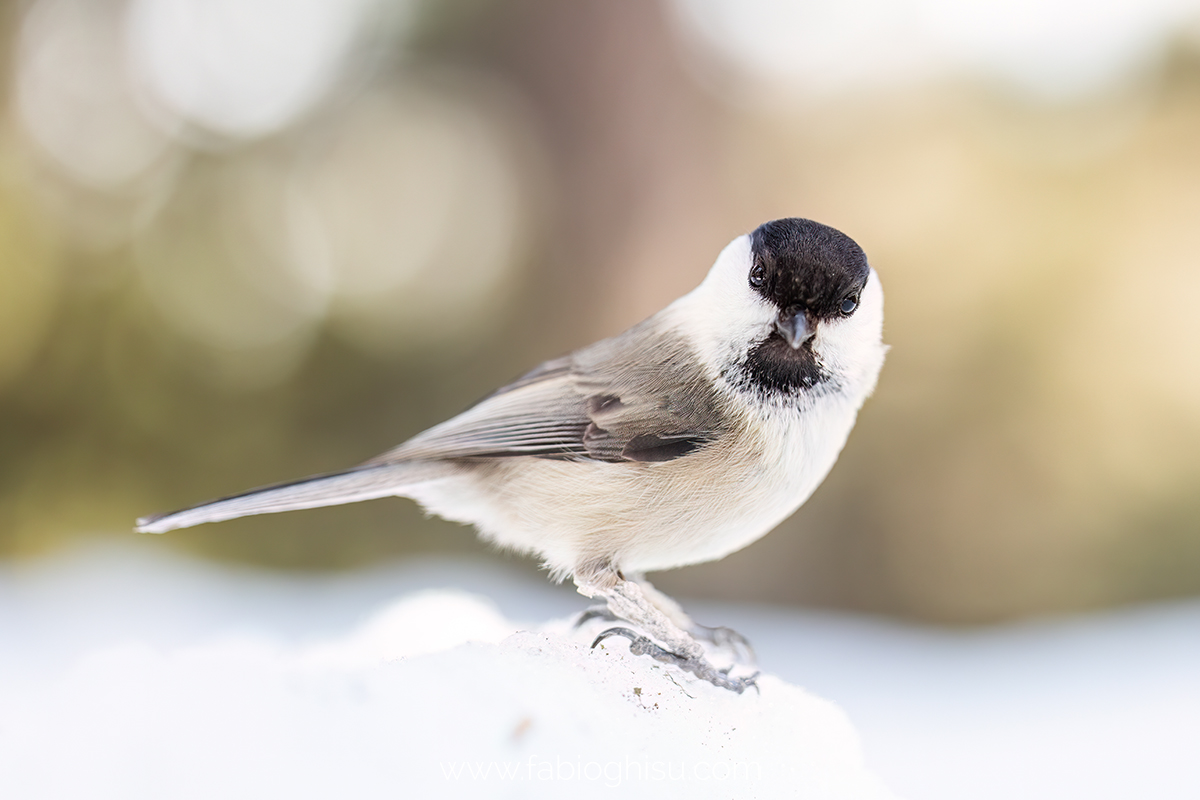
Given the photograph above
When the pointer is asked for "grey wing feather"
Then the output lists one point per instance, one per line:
(641, 396)
(534, 416)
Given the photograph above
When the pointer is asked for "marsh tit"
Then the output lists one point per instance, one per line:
(679, 441)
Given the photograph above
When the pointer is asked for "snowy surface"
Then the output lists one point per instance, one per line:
(135, 673)
(434, 695)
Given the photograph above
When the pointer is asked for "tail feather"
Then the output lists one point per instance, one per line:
(352, 486)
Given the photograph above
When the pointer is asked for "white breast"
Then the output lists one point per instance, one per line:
(765, 477)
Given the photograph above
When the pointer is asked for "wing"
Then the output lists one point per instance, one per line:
(641, 396)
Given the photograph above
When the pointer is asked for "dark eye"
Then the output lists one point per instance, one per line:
(849, 304)
(758, 276)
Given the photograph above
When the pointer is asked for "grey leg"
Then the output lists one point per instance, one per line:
(628, 601)
(662, 602)
(722, 637)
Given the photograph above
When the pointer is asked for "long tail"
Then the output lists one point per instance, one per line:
(351, 486)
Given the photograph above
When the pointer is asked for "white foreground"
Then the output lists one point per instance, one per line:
(134, 673)
(435, 695)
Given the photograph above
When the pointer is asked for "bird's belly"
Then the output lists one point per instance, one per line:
(644, 516)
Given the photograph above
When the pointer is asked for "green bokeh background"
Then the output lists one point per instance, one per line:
(1034, 444)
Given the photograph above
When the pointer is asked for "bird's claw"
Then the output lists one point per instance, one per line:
(641, 646)
(728, 639)
(595, 612)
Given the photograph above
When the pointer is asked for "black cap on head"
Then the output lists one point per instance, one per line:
(801, 265)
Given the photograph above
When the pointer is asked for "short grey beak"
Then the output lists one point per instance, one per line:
(794, 328)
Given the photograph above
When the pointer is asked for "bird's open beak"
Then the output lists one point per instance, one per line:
(794, 328)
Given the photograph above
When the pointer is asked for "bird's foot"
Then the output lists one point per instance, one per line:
(641, 646)
(721, 637)
(726, 639)
(595, 612)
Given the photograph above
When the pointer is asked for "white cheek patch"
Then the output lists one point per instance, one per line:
(853, 346)
(723, 313)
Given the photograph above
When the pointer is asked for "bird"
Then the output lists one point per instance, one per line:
(679, 441)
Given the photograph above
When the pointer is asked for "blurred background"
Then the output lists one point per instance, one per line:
(246, 240)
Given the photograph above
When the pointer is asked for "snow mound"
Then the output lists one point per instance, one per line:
(435, 696)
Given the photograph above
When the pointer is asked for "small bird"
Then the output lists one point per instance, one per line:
(679, 441)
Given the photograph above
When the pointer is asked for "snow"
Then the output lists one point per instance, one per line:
(435, 695)
(132, 672)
